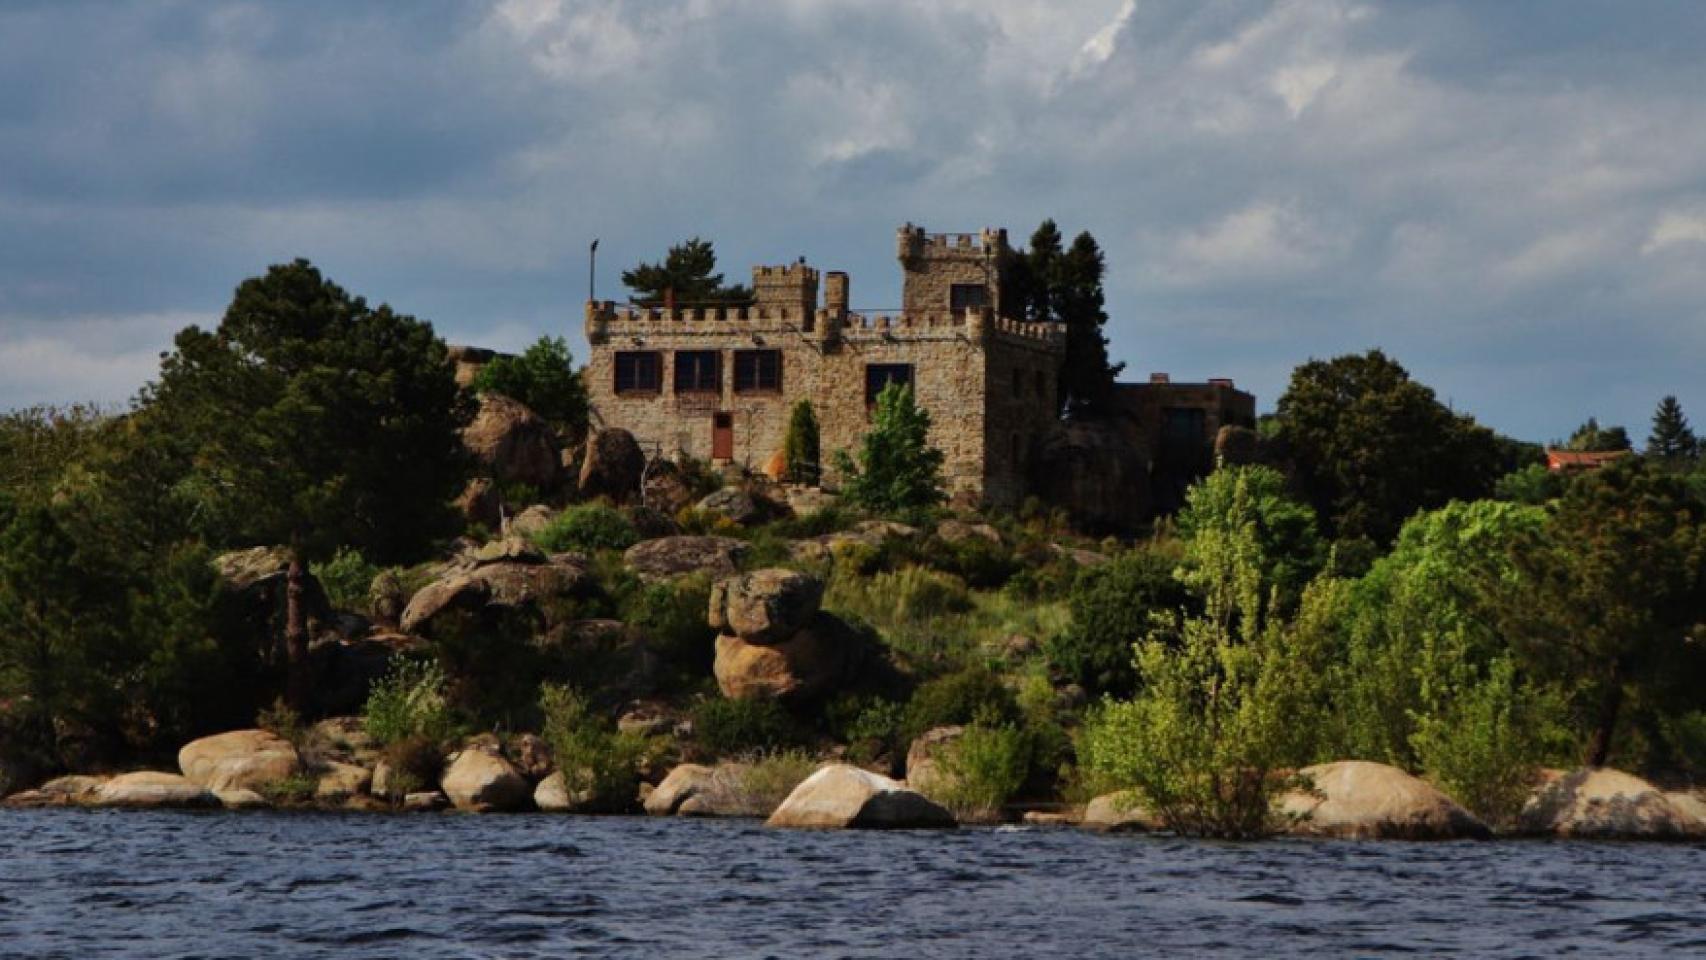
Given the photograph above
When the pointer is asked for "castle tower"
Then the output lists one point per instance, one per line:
(792, 287)
(950, 273)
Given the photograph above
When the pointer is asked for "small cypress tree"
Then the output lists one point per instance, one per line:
(897, 468)
(1671, 439)
(801, 449)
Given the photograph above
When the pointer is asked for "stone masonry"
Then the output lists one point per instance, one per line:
(719, 382)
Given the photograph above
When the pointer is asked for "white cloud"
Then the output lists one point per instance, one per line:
(1263, 239)
(99, 359)
(1674, 228)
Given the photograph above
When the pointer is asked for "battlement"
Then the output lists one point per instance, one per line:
(791, 271)
(608, 319)
(912, 243)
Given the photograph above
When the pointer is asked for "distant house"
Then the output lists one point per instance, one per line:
(1580, 461)
(1177, 423)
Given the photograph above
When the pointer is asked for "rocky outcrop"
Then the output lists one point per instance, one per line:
(505, 574)
(734, 505)
(480, 503)
(512, 443)
(612, 467)
(479, 778)
(1604, 804)
(668, 557)
(238, 760)
(840, 796)
(467, 362)
(959, 531)
(252, 593)
(925, 771)
(530, 522)
(692, 790)
(552, 795)
(1119, 812)
(1360, 800)
(242, 800)
(1098, 471)
(59, 792)
(530, 754)
(665, 489)
(341, 781)
(153, 789)
(425, 801)
(812, 662)
(765, 606)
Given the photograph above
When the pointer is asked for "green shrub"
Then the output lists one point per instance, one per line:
(898, 469)
(409, 701)
(346, 579)
(294, 789)
(672, 616)
(800, 447)
(600, 765)
(1112, 605)
(770, 777)
(830, 519)
(982, 564)
(416, 762)
(959, 698)
(283, 722)
(728, 728)
(982, 770)
(544, 379)
(869, 725)
(587, 526)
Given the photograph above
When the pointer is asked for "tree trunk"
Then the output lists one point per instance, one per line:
(296, 637)
(1599, 746)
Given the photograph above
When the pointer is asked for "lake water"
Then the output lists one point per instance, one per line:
(77, 883)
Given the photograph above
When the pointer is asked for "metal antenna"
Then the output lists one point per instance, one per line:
(592, 272)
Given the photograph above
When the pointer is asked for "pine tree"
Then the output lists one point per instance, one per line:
(1590, 437)
(800, 449)
(686, 270)
(1671, 439)
(1049, 284)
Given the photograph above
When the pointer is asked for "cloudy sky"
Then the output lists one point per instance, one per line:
(1509, 197)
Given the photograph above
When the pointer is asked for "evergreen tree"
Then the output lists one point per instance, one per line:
(898, 469)
(1590, 437)
(1671, 439)
(544, 380)
(687, 270)
(1049, 284)
(312, 420)
(801, 451)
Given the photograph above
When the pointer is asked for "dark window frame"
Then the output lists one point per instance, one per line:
(629, 374)
(690, 375)
(880, 375)
(750, 371)
(960, 296)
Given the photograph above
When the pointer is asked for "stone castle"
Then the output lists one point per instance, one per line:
(719, 381)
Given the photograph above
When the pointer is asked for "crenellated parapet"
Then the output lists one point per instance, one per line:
(608, 320)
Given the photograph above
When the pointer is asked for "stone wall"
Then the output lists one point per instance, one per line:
(933, 263)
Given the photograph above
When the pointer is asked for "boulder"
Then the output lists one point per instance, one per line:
(552, 794)
(508, 575)
(480, 503)
(153, 789)
(843, 796)
(667, 557)
(479, 778)
(528, 523)
(803, 501)
(513, 443)
(692, 790)
(765, 606)
(345, 739)
(468, 361)
(530, 754)
(59, 792)
(242, 800)
(958, 531)
(1119, 812)
(1605, 804)
(613, 466)
(252, 588)
(814, 661)
(425, 801)
(1360, 800)
(733, 504)
(874, 532)
(924, 770)
(238, 760)
(1079, 556)
(340, 781)
(665, 488)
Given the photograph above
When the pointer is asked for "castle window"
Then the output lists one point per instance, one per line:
(698, 371)
(964, 296)
(880, 375)
(638, 371)
(758, 371)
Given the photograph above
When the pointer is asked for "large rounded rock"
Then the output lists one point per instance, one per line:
(341, 781)
(693, 790)
(765, 606)
(734, 505)
(613, 466)
(1120, 812)
(1602, 804)
(504, 575)
(152, 789)
(553, 796)
(843, 796)
(925, 771)
(238, 760)
(512, 442)
(959, 531)
(479, 778)
(808, 664)
(666, 489)
(1372, 801)
(480, 503)
(667, 557)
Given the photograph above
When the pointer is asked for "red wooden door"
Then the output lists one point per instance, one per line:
(722, 436)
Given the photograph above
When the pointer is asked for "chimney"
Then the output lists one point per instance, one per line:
(835, 291)
(1160, 378)
(1221, 382)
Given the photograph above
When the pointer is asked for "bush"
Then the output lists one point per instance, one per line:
(728, 728)
(770, 777)
(898, 470)
(346, 579)
(587, 526)
(1112, 606)
(416, 762)
(544, 379)
(672, 616)
(800, 448)
(409, 702)
(600, 766)
(294, 789)
(982, 770)
(983, 565)
(972, 694)
(870, 726)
